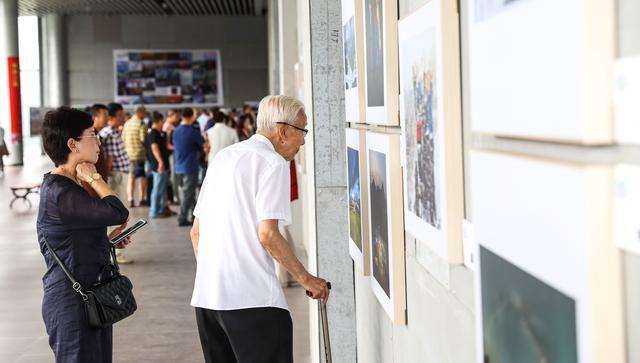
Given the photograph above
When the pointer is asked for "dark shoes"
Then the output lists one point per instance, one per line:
(168, 211)
(184, 223)
(131, 205)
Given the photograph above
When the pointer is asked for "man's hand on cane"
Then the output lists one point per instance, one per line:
(317, 288)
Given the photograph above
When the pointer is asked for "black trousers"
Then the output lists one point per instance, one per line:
(246, 336)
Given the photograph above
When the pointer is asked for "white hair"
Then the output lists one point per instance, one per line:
(277, 108)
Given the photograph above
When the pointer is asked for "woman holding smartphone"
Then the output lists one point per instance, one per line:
(75, 226)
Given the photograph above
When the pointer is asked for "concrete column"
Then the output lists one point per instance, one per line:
(274, 47)
(288, 50)
(328, 124)
(55, 88)
(10, 106)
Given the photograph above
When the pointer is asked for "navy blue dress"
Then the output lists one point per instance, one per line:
(75, 225)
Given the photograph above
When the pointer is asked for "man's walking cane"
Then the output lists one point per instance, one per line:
(325, 327)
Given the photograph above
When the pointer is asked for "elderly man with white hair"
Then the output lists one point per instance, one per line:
(241, 311)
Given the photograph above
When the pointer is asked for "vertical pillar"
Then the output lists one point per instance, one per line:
(54, 63)
(328, 123)
(10, 106)
(274, 47)
(288, 50)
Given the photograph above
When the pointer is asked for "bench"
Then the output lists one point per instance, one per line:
(22, 191)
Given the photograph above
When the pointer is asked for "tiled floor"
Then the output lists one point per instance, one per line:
(162, 330)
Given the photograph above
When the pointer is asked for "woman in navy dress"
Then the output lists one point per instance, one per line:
(75, 225)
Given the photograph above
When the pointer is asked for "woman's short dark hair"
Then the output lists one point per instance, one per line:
(60, 125)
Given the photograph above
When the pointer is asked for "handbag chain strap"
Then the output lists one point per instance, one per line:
(76, 285)
(114, 258)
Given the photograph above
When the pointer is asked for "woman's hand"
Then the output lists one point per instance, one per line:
(85, 171)
(123, 244)
(116, 232)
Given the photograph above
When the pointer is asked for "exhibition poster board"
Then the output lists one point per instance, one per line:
(357, 199)
(354, 80)
(549, 277)
(432, 128)
(381, 61)
(168, 77)
(386, 230)
(542, 69)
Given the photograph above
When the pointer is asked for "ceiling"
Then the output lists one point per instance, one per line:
(143, 7)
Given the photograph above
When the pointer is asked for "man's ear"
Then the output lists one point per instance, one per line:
(282, 133)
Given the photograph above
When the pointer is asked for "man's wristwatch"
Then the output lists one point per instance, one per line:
(94, 177)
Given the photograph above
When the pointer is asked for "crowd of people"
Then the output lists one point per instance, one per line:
(101, 160)
(163, 157)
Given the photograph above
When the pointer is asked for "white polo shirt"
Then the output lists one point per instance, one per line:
(246, 183)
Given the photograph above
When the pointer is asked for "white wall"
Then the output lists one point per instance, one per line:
(91, 40)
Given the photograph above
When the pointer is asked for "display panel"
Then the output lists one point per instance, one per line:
(168, 77)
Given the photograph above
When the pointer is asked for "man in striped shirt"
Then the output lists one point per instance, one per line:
(116, 157)
(134, 134)
(116, 154)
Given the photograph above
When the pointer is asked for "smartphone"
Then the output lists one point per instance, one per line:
(128, 232)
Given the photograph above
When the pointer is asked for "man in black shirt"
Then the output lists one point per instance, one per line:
(158, 156)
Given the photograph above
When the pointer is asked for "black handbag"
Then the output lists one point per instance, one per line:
(110, 299)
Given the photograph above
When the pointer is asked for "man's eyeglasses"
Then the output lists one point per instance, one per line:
(295, 127)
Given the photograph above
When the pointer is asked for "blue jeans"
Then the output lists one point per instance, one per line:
(157, 193)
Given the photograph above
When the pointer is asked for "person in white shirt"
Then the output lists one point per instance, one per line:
(241, 311)
(203, 118)
(218, 137)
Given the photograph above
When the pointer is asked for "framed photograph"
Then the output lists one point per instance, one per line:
(354, 83)
(431, 129)
(386, 232)
(168, 77)
(549, 279)
(358, 201)
(381, 61)
(551, 82)
(524, 319)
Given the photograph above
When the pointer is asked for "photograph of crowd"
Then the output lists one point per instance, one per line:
(418, 83)
(168, 77)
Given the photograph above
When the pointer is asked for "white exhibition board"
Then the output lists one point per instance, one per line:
(381, 61)
(356, 144)
(421, 51)
(383, 171)
(550, 220)
(168, 77)
(542, 69)
(353, 63)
